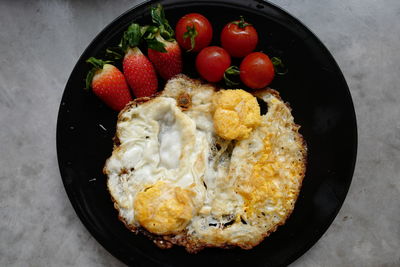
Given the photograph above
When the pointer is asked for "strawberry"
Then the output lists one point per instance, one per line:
(163, 50)
(169, 63)
(108, 83)
(139, 73)
(138, 70)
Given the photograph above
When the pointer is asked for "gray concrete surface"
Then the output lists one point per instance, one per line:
(40, 41)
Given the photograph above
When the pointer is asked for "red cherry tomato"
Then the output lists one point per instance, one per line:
(193, 32)
(239, 38)
(256, 70)
(212, 62)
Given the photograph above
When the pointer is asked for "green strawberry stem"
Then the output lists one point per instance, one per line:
(158, 17)
(156, 42)
(97, 65)
(135, 34)
(155, 36)
(231, 71)
(190, 33)
(149, 34)
(149, 31)
(114, 53)
(131, 37)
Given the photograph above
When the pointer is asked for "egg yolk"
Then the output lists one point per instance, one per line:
(163, 209)
(264, 181)
(236, 114)
(261, 183)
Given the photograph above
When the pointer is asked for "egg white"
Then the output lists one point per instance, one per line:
(159, 140)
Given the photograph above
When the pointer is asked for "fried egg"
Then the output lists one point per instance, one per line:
(200, 168)
(236, 114)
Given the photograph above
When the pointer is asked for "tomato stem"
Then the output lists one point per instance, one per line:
(231, 71)
(190, 33)
(279, 67)
(241, 23)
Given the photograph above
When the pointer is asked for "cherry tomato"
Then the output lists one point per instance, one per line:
(239, 38)
(193, 32)
(212, 62)
(256, 70)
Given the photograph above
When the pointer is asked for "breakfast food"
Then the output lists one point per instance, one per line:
(212, 62)
(239, 38)
(163, 50)
(108, 83)
(193, 32)
(168, 63)
(256, 70)
(138, 70)
(236, 114)
(197, 167)
(193, 165)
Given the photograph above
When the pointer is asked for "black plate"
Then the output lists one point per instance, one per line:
(322, 105)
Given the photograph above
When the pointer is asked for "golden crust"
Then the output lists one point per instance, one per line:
(183, 239)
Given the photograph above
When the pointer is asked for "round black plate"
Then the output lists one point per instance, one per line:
(316, 91)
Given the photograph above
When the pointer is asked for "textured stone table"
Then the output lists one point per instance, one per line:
(40, 41)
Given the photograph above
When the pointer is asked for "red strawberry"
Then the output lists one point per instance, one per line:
(169, 63)
(108, 83)
(139, 73)
(138, 70)
(163, 50)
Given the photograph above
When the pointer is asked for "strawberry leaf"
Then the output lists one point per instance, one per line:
(153, 38)
(89, 78)
(131, 37)
(114, 53)
(149, 32)
(158, 17)
(156, 45)
(97, 65)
